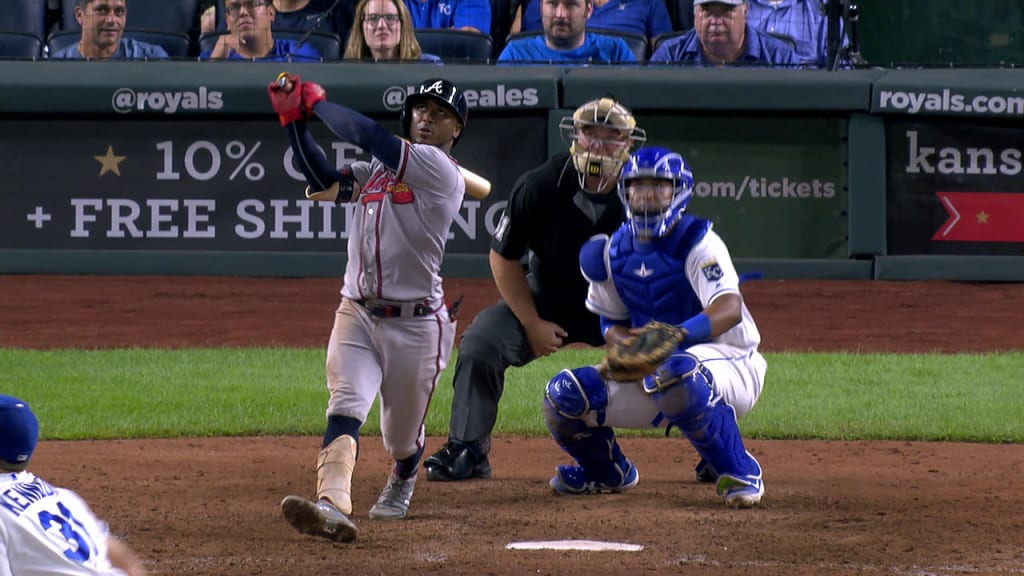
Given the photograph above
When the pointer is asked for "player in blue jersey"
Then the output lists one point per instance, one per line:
(662, 264)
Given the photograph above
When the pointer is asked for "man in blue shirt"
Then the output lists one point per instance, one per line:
(249, 36)
(102, 23)
(721, 36)
(472, 15)
(646, 17)
(802, 20)
(565, 38)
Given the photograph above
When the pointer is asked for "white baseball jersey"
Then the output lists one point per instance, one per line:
(49, 530)
(732, 357)
(401, 224)
(399, 230)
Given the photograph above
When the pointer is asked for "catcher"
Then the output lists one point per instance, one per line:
(682, 346)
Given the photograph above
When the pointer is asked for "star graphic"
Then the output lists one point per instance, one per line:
(982, 217)
(110, 162)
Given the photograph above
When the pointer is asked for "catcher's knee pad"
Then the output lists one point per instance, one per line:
(334, 466)
(681, 388)
(577, 392)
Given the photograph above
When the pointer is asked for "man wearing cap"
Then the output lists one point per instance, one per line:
(45, 529)
(722, 37)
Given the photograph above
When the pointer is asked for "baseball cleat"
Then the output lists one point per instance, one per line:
(740, 493)
(318, 519)
(456, 461)
(393, 503)
(573, 480)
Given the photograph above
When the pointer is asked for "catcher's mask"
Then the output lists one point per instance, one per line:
(600, 135)
(441, 90)
(655, 188)
(19, 431)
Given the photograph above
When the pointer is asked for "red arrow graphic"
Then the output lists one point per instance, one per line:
(982, 217)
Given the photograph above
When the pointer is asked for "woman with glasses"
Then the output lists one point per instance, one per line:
(250, 36)
(384, 32)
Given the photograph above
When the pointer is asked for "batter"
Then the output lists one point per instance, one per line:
(392, 333)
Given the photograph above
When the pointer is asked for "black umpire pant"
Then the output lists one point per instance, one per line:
(494, 341)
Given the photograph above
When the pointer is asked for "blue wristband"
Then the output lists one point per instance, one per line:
(698, 329)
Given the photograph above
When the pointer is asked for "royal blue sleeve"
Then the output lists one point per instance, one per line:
(319, 173)
(355, 128)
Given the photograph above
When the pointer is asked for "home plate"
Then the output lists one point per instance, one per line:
(590, 545)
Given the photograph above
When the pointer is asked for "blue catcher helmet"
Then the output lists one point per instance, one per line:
(653, 210)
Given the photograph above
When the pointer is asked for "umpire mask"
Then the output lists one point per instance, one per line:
(600, 135)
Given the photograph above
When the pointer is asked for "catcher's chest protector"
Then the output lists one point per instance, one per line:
(653, 283)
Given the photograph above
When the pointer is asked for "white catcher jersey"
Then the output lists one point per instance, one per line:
(400, 225)
(49, 530)
(711, 274)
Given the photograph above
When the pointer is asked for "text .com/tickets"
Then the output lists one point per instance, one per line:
(500, 97)
(126, 100)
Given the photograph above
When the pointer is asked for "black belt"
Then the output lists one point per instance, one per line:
(391, 309)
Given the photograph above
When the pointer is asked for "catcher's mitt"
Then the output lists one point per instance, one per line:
(640, 354)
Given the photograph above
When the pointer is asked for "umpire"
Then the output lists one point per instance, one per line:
(552, 210)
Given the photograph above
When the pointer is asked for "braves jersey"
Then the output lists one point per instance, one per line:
(49, 530)
(400, 224)
(670, 279)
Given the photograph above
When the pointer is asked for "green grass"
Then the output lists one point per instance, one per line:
(131, 393)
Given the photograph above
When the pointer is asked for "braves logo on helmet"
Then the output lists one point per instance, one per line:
(442, 91)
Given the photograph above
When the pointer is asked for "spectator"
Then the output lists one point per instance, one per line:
(102, 23)
(722, 37)
(566, 39)
(552, 211)
(801, 20)
(297, 15)
(471, 15)
(645, 17)
(250, 37)
(385, 32)
(36, 531)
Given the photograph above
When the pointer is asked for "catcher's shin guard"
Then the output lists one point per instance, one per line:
(573, 407)
(683, 391)
(334, 466)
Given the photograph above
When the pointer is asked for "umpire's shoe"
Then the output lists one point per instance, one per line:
(319, 519)
(457, 460)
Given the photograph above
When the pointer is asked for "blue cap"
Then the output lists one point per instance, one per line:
(19, 431)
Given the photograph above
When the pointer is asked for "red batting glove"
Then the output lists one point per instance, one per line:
(287, 103)
(311, 94)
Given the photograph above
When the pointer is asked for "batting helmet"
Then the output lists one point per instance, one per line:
(441, 90)
(653, 216)
(19, 431)
(600, 159)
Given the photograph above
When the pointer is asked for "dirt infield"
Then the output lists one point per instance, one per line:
(209, 506)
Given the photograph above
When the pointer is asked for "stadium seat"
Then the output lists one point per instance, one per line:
(328, 44)
(19, 45)
(26, 16)
(684, 14)
(176, 45)
(181, 16)
(666, 36)
(637, 42)
(453, 45)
